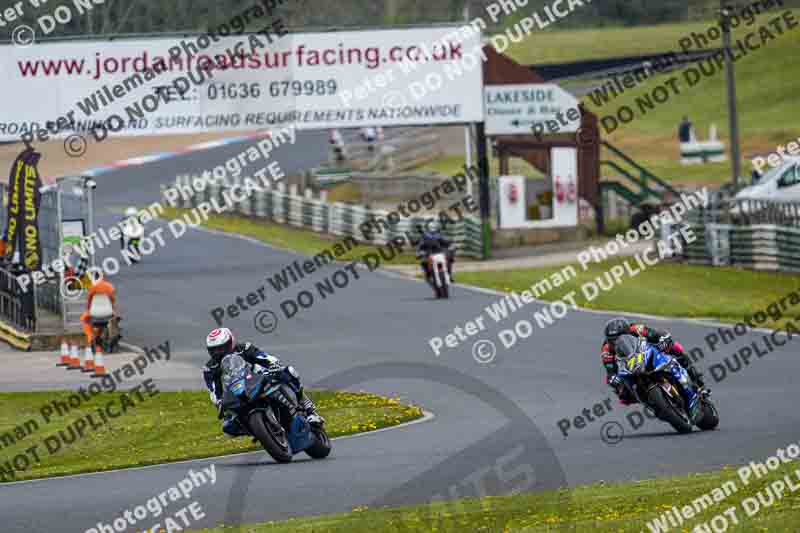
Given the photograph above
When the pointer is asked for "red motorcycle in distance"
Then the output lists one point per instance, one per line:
(439, 279)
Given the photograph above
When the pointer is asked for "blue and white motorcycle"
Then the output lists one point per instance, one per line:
(267, 408)
(659, 382)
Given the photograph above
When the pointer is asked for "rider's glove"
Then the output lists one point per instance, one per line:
(665, 343)
(614, 381)
(610, 362)
(284, 374)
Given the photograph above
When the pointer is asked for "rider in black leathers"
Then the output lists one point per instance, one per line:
(433, 242)
(663, 341)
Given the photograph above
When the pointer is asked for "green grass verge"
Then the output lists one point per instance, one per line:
(665, 289)
(766, 97)
(615, 507)
(559, 46)
(300, 240)
(169, 426)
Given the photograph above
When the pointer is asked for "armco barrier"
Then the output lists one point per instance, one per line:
(301, 210)
(754, 234)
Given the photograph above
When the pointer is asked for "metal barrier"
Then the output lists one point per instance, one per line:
(17, 307)
(337, 218)
(754, 234)
(785, 214)
(69, 199)
(403, 150)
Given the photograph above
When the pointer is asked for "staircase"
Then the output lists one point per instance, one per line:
(637, 185)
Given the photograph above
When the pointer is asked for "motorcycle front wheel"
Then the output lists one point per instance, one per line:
(710, 418)
(275, 443)
(666, 411)
(444, 288)
(322, 444)
(133, 248)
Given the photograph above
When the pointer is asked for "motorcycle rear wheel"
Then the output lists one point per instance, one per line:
(437, 290)
(276, 446)
(666, 411)
(322, 445)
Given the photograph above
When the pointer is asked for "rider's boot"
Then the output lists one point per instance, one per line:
(625, 398)
(427, 272)
(697, 377)
(311, 411)
(231, 427)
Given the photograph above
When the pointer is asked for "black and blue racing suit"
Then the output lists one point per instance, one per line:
(262, 362)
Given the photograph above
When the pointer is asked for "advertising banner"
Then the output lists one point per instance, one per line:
(22, 228)
(416, 76)
(15, 188)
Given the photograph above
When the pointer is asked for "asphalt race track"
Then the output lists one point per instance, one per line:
(495, 425)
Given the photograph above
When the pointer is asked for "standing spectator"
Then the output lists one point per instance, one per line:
(337, 143)
(685, 130)
(369, 135)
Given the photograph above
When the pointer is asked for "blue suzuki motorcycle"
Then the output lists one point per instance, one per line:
(267, 408)
(659, 382)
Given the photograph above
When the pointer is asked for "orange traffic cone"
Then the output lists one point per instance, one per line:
(88, 360)
(99, 364)
(74, 358)
(64, 361)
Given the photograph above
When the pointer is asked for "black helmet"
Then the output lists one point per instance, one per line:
(616, 327)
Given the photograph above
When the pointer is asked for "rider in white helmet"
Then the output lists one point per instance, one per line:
(221, 342)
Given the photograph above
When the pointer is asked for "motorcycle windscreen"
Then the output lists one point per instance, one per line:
(234, 373)
(234, 368)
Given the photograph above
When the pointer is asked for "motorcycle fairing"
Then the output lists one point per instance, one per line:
(300, 436)
(651, 359)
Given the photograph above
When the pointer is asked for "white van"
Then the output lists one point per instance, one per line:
(780, 183)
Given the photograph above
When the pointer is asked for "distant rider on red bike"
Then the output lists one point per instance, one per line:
(433, 243)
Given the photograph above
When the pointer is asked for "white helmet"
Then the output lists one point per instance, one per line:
(219, 343)
(131, 212)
